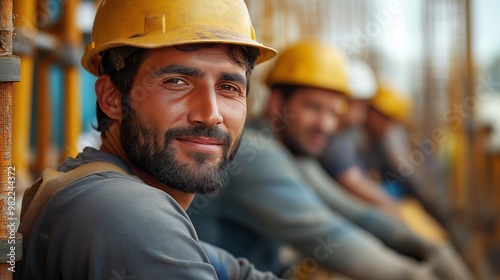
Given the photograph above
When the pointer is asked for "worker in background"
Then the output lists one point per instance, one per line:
(387, 155)
(379, 152)
(269, 203)
(342, 158)
(358, 155)
(172, 85)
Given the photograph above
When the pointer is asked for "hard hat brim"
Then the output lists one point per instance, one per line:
(92, 55)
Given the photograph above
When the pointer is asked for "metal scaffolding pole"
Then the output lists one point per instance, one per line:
(10, 245)
(21, 103)
(72, 104)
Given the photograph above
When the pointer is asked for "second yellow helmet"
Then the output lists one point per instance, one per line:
(311, 63)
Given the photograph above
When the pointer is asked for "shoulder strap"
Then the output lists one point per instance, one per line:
(50, 183)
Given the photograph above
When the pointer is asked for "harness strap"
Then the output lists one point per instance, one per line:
(51, 181)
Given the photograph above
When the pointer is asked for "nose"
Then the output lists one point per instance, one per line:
(328, 123)
(204, 108)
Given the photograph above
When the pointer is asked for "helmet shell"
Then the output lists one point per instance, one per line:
(311, 63)
(392, 102)
(162, 23)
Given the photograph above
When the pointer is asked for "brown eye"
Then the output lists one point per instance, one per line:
(231, 89)
(175, 81)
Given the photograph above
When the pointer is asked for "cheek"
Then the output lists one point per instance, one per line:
(234, 116)
(302, 117)
(311, 119)
(158, 115)
(138, 96)
(334, 124)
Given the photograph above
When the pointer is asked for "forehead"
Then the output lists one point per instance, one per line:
(220, 52)
(306, 93)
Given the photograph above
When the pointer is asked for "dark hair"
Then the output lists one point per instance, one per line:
(123, 79)
(286, 90)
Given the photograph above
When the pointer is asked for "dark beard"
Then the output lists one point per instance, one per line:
(295, 147)
(140, 145)
(289, 141)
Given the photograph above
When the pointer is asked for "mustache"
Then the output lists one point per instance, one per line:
(319, 132)
(198, 131)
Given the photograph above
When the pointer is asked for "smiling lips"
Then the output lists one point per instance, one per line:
(318, 139)
(201, 144)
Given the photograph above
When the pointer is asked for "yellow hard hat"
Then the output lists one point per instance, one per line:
(162, 23)
(311, 63)
(392, 102)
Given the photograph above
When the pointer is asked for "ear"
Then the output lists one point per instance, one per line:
(108, 98)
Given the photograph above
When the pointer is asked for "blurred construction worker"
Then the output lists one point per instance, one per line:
(272, 202)
(387, 158)
(363, 156)
(386, 154)
(172, 84)
(341, 157)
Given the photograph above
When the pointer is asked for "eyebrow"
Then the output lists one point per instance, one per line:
(235, 77)
(177, 69)
(194, 72)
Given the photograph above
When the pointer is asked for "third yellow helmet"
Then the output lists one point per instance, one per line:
(392, 102)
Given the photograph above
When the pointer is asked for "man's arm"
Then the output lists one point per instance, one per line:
(230, 268)
(340, 160)
(432, 196)
(362, 186)
(393, 233)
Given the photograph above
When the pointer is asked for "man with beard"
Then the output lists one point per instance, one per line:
(171, 104)
(277, 198)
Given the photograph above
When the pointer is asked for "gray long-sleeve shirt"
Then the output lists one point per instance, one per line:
(114, 226)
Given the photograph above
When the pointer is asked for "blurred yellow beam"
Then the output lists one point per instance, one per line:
(72, 110)
(44, 118)
(72, 37)
(495, 196)
(25, 11)
(495, 185)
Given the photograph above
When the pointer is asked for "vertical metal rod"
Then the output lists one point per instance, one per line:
(474, 133)
(72, 104)
(44, 117)
(21, 102)
(6, 32)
